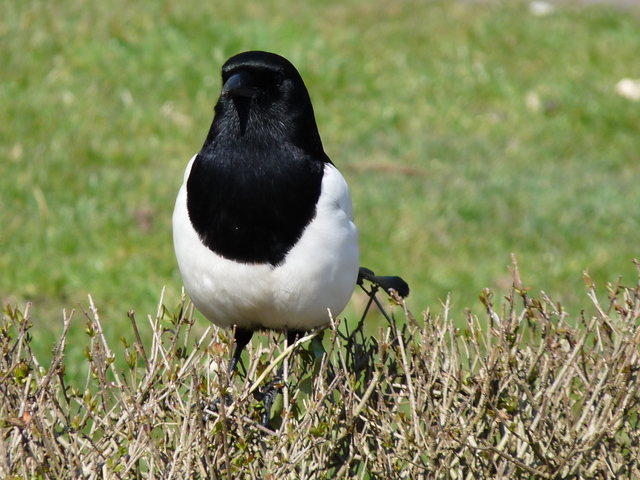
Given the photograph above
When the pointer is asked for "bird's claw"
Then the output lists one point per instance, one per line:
(268, 397)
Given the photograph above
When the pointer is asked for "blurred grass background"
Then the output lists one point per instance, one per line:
(467, 131)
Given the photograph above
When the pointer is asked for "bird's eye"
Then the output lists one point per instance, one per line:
(278, 79)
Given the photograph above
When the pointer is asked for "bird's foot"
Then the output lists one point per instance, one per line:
(268, 396)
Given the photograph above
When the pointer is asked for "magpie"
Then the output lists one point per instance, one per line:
(388, 284)
(263, 225)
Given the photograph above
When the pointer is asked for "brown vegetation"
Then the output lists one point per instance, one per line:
(527, 392)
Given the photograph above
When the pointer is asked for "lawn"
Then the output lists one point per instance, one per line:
(467, 132)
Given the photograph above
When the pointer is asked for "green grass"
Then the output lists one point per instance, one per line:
(421, 104)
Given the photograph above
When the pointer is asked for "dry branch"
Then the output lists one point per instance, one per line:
(528, 392)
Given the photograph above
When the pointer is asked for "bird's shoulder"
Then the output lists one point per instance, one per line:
(336, 189)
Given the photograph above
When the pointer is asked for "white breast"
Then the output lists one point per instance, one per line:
(319, 272)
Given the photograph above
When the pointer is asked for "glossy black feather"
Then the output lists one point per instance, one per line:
(254, 186)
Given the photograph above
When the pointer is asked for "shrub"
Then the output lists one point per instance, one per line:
(527, 393)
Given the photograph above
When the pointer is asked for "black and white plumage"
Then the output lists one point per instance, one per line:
(263, 224)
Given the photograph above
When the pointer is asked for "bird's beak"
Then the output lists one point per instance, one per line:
(239, 85)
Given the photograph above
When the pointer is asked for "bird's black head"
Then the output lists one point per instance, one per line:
(263, 94)
(254, 185)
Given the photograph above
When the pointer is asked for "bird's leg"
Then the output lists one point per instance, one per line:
(270, 392)
(242, 338)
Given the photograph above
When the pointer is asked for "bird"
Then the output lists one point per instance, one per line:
(388, 284)
(263, 225)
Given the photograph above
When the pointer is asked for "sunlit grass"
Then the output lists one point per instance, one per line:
(466, 131)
